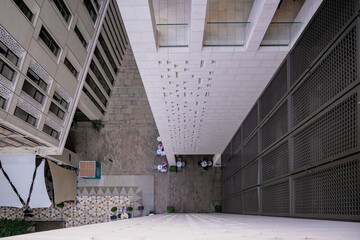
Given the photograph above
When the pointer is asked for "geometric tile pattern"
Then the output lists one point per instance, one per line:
(86, 210)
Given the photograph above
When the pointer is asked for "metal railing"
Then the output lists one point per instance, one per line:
(280, 33)
(173, 35)
(225, 33)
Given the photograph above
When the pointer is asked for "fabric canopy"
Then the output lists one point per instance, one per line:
(20, 171)
(39, 196)
(64, 182)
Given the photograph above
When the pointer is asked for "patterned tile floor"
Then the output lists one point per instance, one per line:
(129, 139)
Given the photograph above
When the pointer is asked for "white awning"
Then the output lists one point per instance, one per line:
(39, 196)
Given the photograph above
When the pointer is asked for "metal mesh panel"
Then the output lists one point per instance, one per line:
(250, 149)
(226, 155)
(250, 199)
(336, 71)
(275, 198)
(250, 175)
(333, 133)
(327, 22)
(251, 122)
(274, 92)
(236, 204)
(236, 140)
(275, 127)
(332, 191)
(276, 162)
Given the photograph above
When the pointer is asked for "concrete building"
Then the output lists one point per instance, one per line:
(269, 88)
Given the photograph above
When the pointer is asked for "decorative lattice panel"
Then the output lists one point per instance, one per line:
(327, 22)
(335, 72)
(333, 191)
(275, 162)
(276, 199)
(274, 92)
(333, 133)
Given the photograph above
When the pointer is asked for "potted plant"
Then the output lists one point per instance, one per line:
(170, 209)
(10, 227)
(97, 125)
(113, 210)
(172, 169)
(217, 208)
(60, 205)
(129, 210)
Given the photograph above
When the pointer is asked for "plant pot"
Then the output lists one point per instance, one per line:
(129, 214)
(113, 217)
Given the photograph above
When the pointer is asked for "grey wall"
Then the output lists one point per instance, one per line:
(297, 152)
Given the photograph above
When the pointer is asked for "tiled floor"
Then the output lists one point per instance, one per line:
(129, 139)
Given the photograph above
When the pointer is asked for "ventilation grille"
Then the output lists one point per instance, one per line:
(274, 92)
(333, 191)
(327, 22)
(233, 204)
(276, 162)
(250, 175)
(275, 199)
(250, 199)
(250, 122)
(335, 132)
(275, 127)
(226, 155)
(336, 71)
(236, 141)
(250, 149)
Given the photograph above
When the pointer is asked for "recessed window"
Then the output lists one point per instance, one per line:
(26, 11)
(80, 36)
(60, 100)
(93, 100)
(33, 92)
(49, 41)
(90, 9)
(36, 79)
(57, 111)
(70, 67)
(25, 116)
(10, 55)
(107, 53)
(52, 132)
(96, 89)
(99, 76)
(104, 65)
(63, 9)
(2, 102)
(6, 71)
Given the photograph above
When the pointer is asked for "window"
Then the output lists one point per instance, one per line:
(6, 52)
(80, 36)
(49, 41)
(96, 89)
(25, 116)
(103, 65)
(63, 9)
(33, 92)
(91, 10)
(93, 100)
(98, 75)
(107, 53)
(36, 79)
(51, 131)
(60, 100)
(57, 111)
(70, 67)
(6, 71)
(2, 102)
(26, 11)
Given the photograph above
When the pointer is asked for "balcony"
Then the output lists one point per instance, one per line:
(225, 33)
(173, 35)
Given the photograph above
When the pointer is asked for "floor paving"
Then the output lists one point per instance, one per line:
(129, 141)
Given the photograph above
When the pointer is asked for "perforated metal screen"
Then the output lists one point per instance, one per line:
(334, 133)
(250, 149)
(274, 92)
(275, 127)
(275, 162)
(251, 122)
(236, 140)
(335, 72)
(327, 22)
(276, 199)
(332, 191)
(250, 201)
(250, 175)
